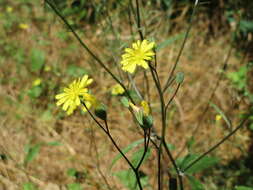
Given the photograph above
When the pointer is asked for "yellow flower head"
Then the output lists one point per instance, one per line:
(139, 54)
(23, 26)
(76, 92)
(37, 82)
(145, 107)
(117, 89)
(218, 117)
(9, 9)
(47, 68)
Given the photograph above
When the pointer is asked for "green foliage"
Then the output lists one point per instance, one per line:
(31, 152)
(54, 143)
(201, 165)
(136, 157)
(71, 172)
(195, 183)
(74, 186)
(35, 92)
(37, 60)
(179, 77)
(124, 101)
(238, 78)
(128, 178)
(125, 150)
(76, 71)
(243, 188)
(219, 111)
(29, 186)
(169, 41)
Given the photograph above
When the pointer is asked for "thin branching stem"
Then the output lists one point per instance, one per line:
(218, 144)
(217, 84)
(139, 20)
(107, 132)
(173, 96)
(182, 47)
(146, 145)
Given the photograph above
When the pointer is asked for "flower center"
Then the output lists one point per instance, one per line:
(139, 54)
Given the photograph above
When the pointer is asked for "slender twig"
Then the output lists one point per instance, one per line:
(173, 96)
(99, 61)
(224, 68)
(174, 164)
(182, 46)
(97, 160)
(139, 20)
(218, 144)
(107, 132)
(146, 145)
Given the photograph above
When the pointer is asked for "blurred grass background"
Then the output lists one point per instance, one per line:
(41, 147)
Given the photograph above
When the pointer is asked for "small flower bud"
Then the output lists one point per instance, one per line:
(100, 112)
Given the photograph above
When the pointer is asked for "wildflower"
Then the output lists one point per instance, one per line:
(142, 115)
(117, 89)
(37, 82)
(218, 117)
(23, 26)
(9, 9)
(76, 92)
(139, 54)
(47, 68)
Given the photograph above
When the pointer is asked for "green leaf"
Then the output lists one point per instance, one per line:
(71, 172)
(138, 155)
(46, 115)
(195, 184)
(54, 143)
(139, 116)
(128, 178)
(37, 60)
(74, 186)
(76, 71)
(202, 164)
(29, 186)
(169, 41)
(179, 77)
(170, 146)
(190, 143)
(125, 150)
(219, 111)
(243, 188)
(32, 152)
(35, 92)
(125, 102)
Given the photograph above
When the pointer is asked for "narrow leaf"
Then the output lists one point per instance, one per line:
(218, 110)
(125, 150)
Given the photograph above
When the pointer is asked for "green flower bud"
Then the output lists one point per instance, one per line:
(100, 112)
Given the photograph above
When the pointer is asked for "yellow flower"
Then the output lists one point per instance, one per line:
(23, 26)
(218, 117)
(47, 68)
(139, 54)
(76, 92)
(117, 89)
(145, 107)
(9, 9)
(37, 82)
